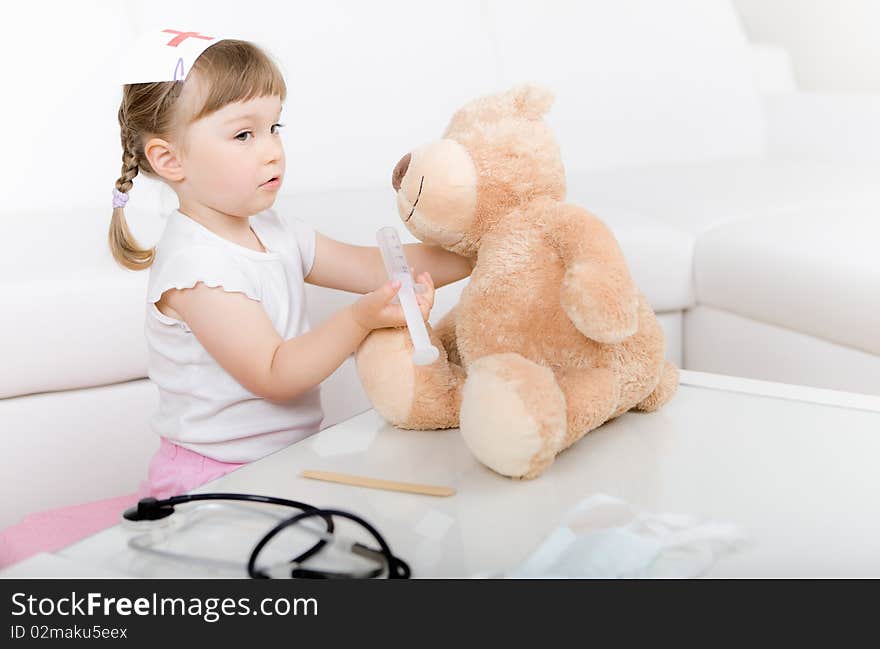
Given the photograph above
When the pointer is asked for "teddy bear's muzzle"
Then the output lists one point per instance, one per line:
(400, 171)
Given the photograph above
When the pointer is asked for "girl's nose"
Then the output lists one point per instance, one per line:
(400, 171)
(274, 150)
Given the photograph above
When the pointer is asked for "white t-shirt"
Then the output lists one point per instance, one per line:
(201, 406)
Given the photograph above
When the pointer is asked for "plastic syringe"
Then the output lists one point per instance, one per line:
(424, 353)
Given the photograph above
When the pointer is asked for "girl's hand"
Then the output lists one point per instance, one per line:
(375, 311)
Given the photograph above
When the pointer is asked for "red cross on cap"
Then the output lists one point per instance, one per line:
(182, 36)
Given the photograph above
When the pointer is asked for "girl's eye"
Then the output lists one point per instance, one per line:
(242, 137)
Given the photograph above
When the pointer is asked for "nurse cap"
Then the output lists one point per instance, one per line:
(164, 55)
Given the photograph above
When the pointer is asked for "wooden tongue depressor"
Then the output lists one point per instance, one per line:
(373, 483)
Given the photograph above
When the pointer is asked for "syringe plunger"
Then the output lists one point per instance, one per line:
(424, 353)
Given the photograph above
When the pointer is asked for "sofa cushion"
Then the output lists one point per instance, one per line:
(696, 198)
(72, 317)
(657, 212)
(810, 269)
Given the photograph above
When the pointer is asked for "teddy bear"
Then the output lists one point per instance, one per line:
(550, 338)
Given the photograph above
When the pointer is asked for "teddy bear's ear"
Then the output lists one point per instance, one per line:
(527, 101)
(531, 101)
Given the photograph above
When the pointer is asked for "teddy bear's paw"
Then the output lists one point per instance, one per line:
(385, 367)
(513, 416)
(602, 304)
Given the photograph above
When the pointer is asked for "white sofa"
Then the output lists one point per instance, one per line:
(749, 219)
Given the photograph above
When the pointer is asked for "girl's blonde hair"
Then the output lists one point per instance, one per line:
(231, 70)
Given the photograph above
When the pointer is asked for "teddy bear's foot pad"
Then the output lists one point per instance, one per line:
(512, 414)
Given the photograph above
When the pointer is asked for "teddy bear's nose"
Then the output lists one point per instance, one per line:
(400, 171)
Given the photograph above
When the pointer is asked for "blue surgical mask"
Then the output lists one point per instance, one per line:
(605, 538)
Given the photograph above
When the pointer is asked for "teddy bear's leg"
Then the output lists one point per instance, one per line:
(641, 365)
(665, 389)
(512, 414)
(407, 395)
(591, 396)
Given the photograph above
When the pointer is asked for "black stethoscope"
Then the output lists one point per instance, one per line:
(386, 563)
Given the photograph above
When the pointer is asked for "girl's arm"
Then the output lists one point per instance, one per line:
(238, 334)
(359, 269)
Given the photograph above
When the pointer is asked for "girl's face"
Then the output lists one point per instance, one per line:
(230, 155)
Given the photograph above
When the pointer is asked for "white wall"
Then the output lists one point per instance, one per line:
(54, 56)
(638, 83)
(834, 45)
(56, 71)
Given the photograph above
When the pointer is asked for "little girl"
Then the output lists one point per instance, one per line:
(230, 347)
(231, 351)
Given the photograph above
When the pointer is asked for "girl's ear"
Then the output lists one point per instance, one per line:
(163, 159)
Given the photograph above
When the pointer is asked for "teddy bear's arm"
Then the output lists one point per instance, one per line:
(597, 293)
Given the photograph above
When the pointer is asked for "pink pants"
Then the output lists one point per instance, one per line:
(173, 470)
